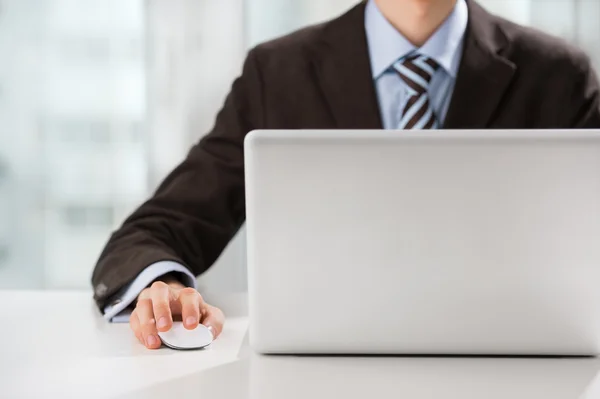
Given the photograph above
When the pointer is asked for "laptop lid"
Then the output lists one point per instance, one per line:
(427, 242)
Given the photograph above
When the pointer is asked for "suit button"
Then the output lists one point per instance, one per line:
(100, 290)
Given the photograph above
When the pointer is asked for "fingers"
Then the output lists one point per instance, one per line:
(145, 313)
(134, 323)
(214, 319)
(160, 306)
(156, 306)
(191, 304)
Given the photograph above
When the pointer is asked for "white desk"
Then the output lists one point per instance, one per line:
(55, 345)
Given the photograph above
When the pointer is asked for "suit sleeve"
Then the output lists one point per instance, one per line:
(119, 309)
(199, 206)
(584, 97)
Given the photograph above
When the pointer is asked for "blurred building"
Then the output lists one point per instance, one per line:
(72, 114)
(21, 86)
(99, 99)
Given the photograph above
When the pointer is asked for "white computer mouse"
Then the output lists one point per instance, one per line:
(180, 338)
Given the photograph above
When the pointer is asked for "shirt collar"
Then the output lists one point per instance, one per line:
(387, 45)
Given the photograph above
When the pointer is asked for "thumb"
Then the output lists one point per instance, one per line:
(214, 319)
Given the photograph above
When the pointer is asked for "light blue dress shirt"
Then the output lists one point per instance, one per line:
(386, 46)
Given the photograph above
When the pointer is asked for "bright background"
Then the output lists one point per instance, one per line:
(99, 99)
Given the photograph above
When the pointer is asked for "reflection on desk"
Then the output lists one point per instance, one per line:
(266, 377)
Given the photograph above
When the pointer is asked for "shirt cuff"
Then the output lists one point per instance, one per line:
(117, 311)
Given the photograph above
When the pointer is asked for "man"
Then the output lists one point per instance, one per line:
(394, 64)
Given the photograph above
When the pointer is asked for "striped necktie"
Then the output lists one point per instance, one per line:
(416, 71)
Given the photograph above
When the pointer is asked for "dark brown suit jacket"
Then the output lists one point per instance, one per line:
(319, 77)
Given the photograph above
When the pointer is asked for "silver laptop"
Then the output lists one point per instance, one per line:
(424, 242)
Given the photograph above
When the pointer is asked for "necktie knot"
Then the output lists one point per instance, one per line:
(417, 71)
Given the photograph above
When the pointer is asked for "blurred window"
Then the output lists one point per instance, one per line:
(100, 99)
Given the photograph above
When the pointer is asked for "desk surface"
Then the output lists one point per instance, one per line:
(56, 345)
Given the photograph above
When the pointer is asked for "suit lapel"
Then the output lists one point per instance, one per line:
(341, 61)
(483, 76)
(343, 70)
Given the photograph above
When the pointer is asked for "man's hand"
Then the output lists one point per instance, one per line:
(162, 302)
